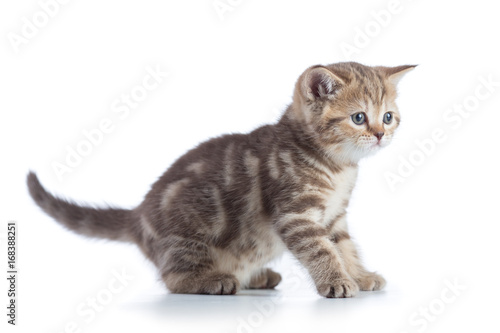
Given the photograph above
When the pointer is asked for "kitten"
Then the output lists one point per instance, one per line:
(229, 206)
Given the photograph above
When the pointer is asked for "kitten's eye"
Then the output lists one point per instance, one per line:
(358, 118)
(388, 118)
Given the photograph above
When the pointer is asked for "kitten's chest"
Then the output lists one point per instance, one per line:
(337, 198)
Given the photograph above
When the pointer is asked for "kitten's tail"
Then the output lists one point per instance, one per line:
(94, 222)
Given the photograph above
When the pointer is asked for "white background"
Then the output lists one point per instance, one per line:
(232, 74)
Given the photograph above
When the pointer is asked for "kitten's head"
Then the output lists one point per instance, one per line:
(349, 109)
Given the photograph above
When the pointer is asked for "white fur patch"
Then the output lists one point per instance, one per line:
(312, 214)
(272, 163)
(343, 183)
(286, 157)
(254, 196)
(220, 224)
(228, 162)
(146, 227)
(171, 191)
(196, 167)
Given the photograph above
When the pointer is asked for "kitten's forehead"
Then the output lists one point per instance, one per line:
(365, 84)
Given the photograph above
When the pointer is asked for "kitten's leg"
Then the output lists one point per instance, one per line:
(309, 242)
(365, 279)
(209, 283)
(187, 268)
(265, 279)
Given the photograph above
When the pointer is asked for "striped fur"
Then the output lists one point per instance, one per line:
(226, 208)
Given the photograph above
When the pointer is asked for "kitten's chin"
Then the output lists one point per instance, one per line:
(358, 153)
(374, 148)
(353, 153)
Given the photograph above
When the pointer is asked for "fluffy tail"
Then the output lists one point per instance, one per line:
(94, 222)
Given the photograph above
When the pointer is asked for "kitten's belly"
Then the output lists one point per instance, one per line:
(245, 264)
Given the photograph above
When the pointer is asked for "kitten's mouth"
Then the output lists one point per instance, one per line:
(376, 146)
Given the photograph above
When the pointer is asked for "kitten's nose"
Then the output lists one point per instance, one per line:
(379, 135)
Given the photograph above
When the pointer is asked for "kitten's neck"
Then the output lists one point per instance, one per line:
(296, 135)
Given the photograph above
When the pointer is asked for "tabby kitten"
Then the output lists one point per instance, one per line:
(229, 206)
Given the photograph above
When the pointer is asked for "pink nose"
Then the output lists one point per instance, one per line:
(379, 135)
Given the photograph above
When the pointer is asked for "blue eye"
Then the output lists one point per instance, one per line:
(358, 118)
(388, 118)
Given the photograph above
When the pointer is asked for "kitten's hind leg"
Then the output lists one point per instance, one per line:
(187, 267)
(265, 279)
(209, 283)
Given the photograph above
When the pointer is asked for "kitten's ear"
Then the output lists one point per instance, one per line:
(320, 83)
(394, 74)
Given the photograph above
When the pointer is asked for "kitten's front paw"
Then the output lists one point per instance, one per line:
(339, 288)
(371, 281)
